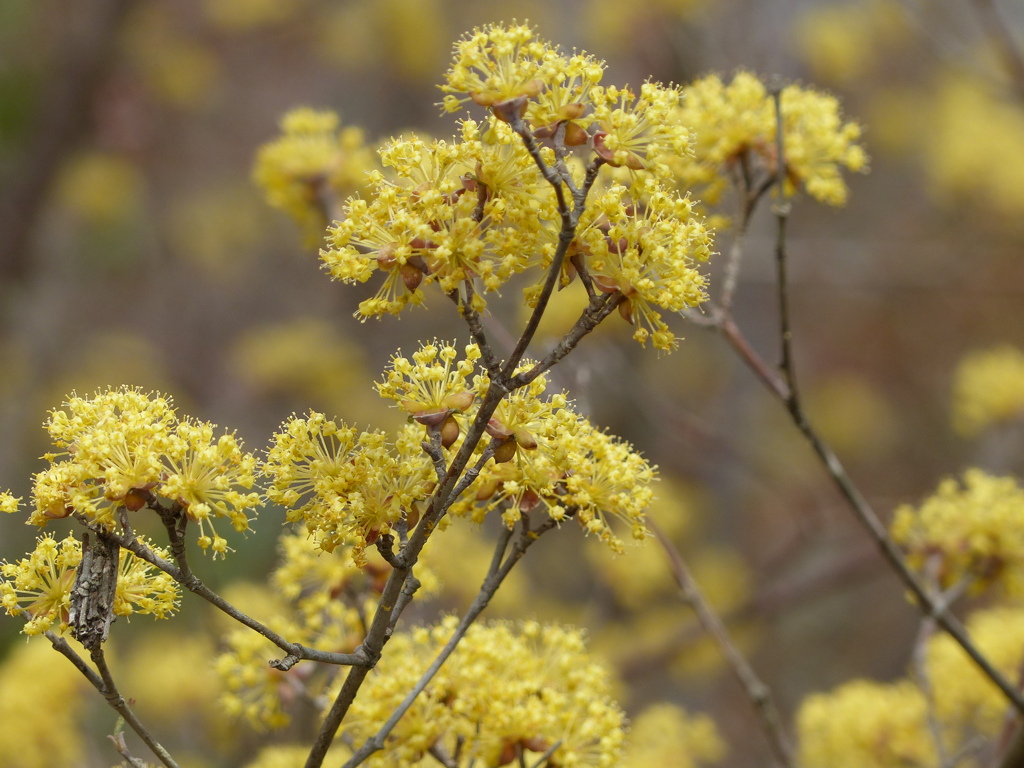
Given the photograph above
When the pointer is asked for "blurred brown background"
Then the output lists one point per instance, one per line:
(135, 250)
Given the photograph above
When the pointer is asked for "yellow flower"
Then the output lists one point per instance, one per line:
(204, 475)
(311, 164)
(346, 486)
(39, 586)
(666, 735)
(507, 690)
(9, 503)
(975, 530)
(647, 250)
(639, 132)
(496, 64)
(866, 723)
(988, 388)
(735, 124)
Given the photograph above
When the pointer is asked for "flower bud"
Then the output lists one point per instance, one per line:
(497, 430)
(449, 432)
(511, 110)
(505, 451)
(411, 276)
(576, 135)
(386, 256)
(459, 401)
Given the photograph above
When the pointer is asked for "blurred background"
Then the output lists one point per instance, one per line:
(134, 249)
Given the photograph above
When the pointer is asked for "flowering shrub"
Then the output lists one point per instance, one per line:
(553, 177)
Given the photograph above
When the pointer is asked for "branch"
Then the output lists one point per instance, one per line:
(758, 693)
(785, 390)
(495, 576)
(183, 575)
(104, 683)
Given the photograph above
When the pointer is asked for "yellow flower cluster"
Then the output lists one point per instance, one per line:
(988, 389)
(640, 133)
(966, 700)
(666, 735)
(122, 445)
(311, 164)
(497, 64)
(346, 485)
(735, 128)
(866, 723)
(646, 250)
(975, 530)
(877, 724)
(39, 586)
(507, 693)
(470, 214)
(9, 503)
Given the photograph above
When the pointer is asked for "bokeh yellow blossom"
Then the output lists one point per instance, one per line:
(735, 126)
(310, 166)
(866, 723)
(667, 735)
(28, 740)
(988, 389)
(974, 530)
(967, 702)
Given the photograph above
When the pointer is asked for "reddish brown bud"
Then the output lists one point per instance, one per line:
(617, 246)
(575, 135)
(488, 489)
(434, 417)
(449, 432)
(626, 311)
(602, 151)
(460, 401)
(386, 256)
(134, 501)
(604, 283)
(497, 430)
(506, 451)
(412, 516)
(511, 110)
(545, 131)
(525, 440)
(572, 111)
(411, 276)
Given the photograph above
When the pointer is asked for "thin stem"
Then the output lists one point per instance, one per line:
(295, 651)
(104, 683)
(758, 693)
(495, 576)
(598, 309)
(785, 390)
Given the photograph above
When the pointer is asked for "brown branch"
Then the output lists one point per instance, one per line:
(104, 683)
(495, 576)
(758, 693)
(785, 389)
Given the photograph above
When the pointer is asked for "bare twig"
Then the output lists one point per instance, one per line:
(183, 575)
(758, 693)
(784, 389)
(104, 683)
